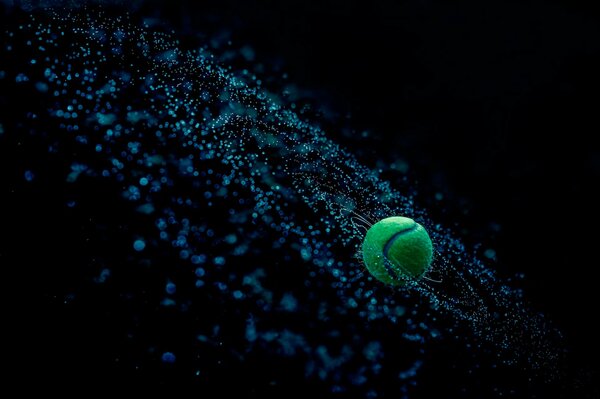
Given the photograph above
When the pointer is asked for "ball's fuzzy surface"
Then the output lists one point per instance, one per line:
(397, 249)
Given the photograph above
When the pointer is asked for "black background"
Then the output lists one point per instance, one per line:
(492, 104)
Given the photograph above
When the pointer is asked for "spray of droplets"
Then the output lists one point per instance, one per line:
(211, 160)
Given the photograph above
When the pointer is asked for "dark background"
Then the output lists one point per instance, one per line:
(492, 104)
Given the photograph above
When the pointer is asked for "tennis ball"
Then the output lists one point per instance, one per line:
(397, 249)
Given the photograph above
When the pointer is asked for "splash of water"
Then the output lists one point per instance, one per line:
(185, 135)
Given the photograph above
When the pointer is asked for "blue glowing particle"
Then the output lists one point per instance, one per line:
(105, 119)
(238, 294)
(490, 253)
(372, 350)
(171, 288)
(167, 302)
(21, 78)
(139, 245)
(231, 239)
(288, 302)
(198, 259)
(104, 275)
(29, 176)
(41, 87)
(133, 193)
(168, 357)
(143, 181)
(145, 208)
(219, 260)
(200, 272)
(248, 53)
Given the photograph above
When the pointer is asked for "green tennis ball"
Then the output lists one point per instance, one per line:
(397, 249)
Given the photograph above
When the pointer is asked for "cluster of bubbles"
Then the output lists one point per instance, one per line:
(214, 166)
